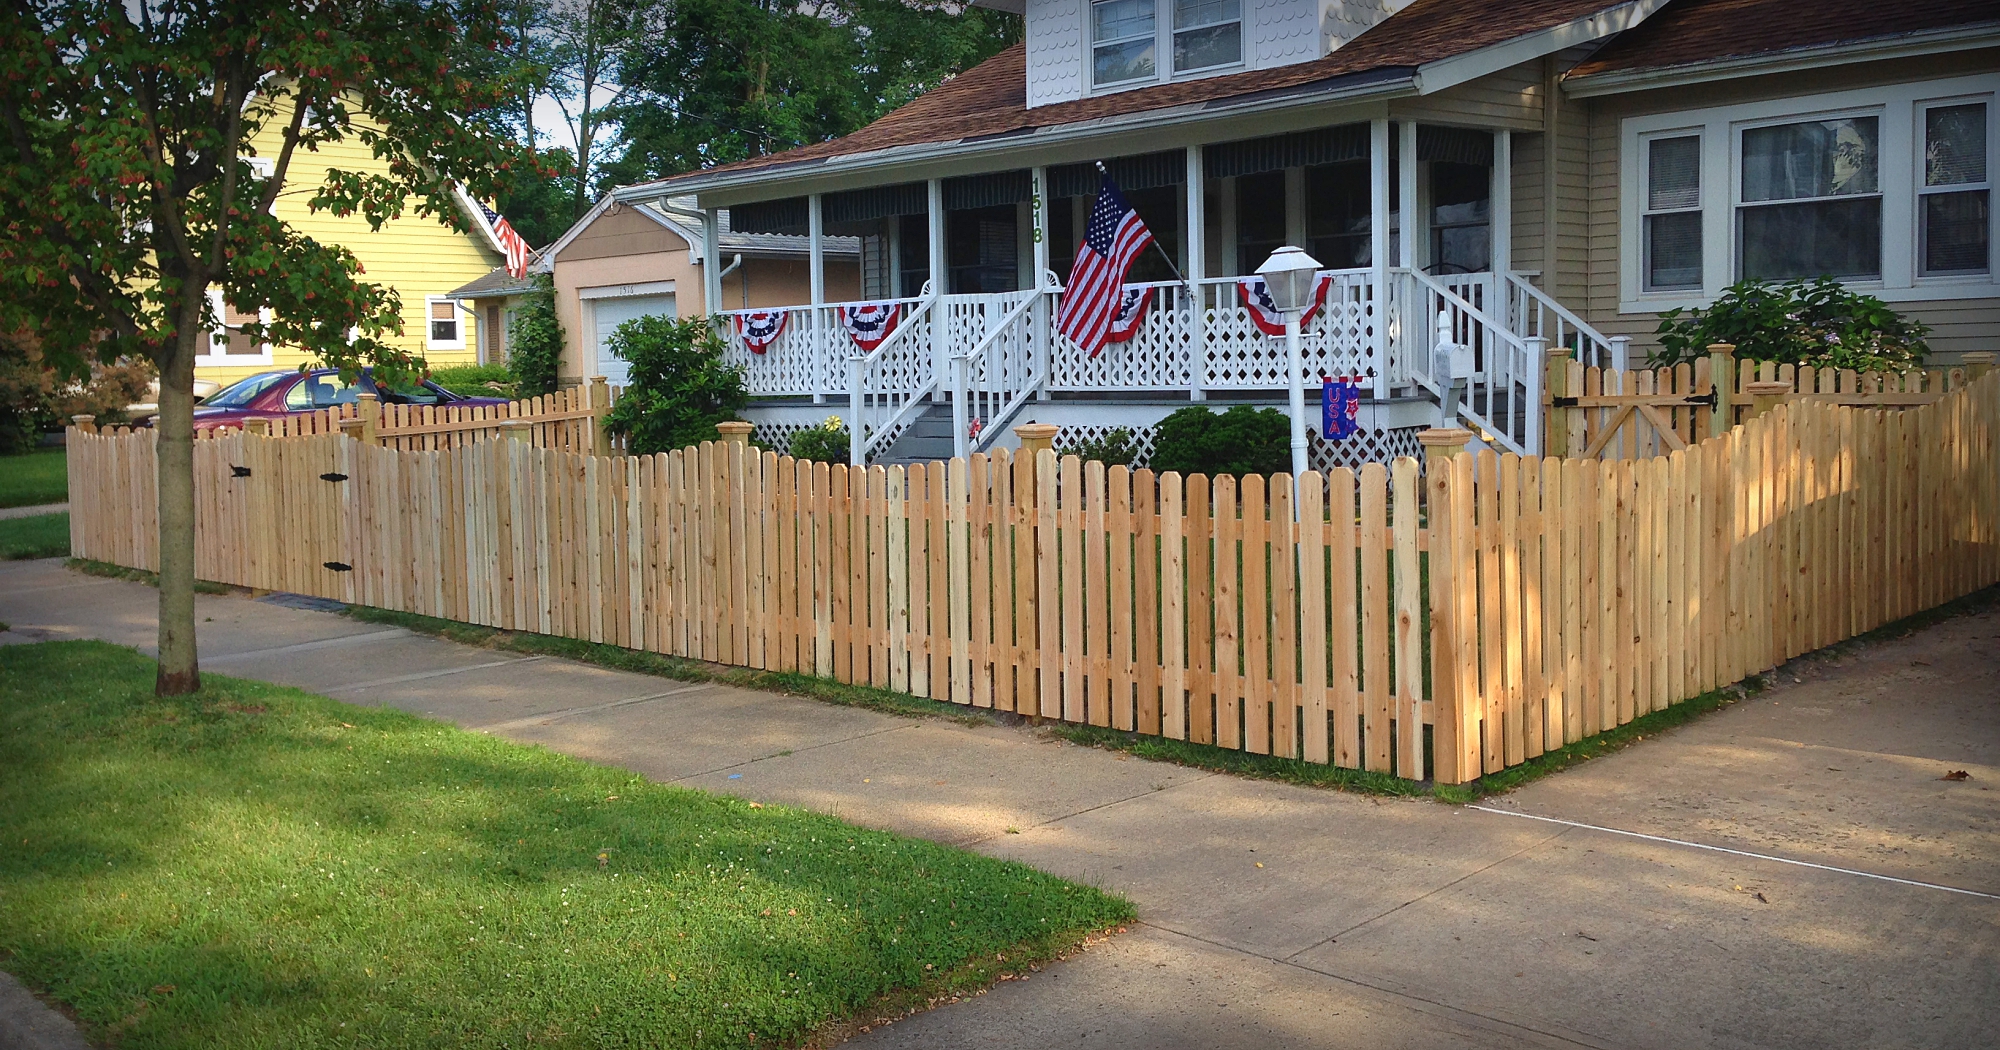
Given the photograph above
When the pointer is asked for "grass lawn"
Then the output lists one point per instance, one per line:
(258, 866)
(40, 536)
(34, 478)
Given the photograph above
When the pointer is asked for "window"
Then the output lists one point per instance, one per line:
(443, 332)
(1673, 212)
(1811, 200)
(1260, 218)
(1461, 217)
(1123, 40)
(1337, 215)
(229, 344)
(1207, 33)
(320, 390)
(1955, 226)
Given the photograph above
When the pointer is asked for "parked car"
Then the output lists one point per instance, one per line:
(273, 395)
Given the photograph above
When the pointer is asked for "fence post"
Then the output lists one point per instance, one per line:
(1977, 364)
(86, 423)
(1448, 507)
(1036, 437)
(1621, 350)
(1766, 396)
(1555, 361)
(600, 406)
(1722, 376)
(259, 427)
(369, 408)
(1442, 443)
(736, 432)
(518, 430)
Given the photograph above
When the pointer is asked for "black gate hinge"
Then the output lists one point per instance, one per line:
(330, 476)
(338, 566)
(1701, 399)
(239, 472)
(1562, 402)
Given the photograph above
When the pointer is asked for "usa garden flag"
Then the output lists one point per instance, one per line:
(1340, 404)
(1113, 239)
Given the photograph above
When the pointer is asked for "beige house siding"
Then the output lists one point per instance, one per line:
(1959, 325)
(1511, 97)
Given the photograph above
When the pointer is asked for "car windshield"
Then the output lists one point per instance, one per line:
(424, 393)
(243, 391)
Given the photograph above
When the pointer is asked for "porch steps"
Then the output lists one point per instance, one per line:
(928, 437)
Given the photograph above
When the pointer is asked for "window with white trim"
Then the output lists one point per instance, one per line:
(1672, 217)
(1810, 200)
(1207, 34)
(229, 344)
(1129, 37)
(1954, 192)
(443, 330)
(1123, 39)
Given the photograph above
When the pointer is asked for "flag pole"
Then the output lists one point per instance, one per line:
(1178, 279)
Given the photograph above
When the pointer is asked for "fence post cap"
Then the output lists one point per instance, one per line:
(364, 397)
(257, 426)
(86, 419)
(599, 381)
(1036, 436)
(1443, 441)
(1722, 348)
(735, 431)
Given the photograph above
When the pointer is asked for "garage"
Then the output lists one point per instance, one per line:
(613, 306)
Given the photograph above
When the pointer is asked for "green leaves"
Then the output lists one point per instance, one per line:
(534, 342)
(1243, 440)
(680, 387)
(1818, 322)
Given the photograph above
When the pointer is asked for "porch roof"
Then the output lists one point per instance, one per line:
(988, 103)
(1689, 33)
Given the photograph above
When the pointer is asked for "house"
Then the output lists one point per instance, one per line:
(422, 259)
(492, 300)
(622, 261)
(1484, 181)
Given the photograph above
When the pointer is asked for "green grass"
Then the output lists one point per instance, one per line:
(34, 478)
(471, 380)
(257, 866)
(150, 579)
(40, 536)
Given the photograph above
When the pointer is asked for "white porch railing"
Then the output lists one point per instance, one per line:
(886, 386)
(1532, 312)
(1000, 371)
(797, 362)
(1480, 371)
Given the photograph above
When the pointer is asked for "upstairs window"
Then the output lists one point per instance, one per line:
(1123, 38)
(1207, 34)
(1673, 212)
(1811, 200)
(1954, 199)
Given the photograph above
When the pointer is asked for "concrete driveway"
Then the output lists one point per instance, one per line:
(1786, 872)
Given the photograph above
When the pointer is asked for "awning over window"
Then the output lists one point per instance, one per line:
(1143, 172)
(780, 216)
(1458, 145)
(875, 202)
(986, 191)
(1277, 152)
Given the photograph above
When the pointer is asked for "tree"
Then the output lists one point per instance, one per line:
(129, 190)
(589, 41)
(729, 79)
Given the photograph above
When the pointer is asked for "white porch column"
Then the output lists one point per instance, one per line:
(1502, 235)
(816, 262)
(1038, 187)
(1378, 245)
(1196, 269)
(1406, 176)
(940, 280)
(711, 262)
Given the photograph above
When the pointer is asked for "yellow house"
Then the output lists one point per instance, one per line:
(419, 257)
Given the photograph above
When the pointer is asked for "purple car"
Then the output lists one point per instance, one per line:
(273, 395)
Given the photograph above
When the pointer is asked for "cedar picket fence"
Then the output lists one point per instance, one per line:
(1510, 605)
(567, 419)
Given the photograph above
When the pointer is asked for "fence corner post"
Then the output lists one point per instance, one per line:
(1442, 443)
(1036, 437)
(1977, 364)
(86, 423)
(736, 432)
(521, 430)
(1555, 362)
(600, 406)
(369, 408)
(1766, 396)
(1721, 376)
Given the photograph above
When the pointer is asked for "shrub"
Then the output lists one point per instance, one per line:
(680, 387)
(1114, 449)
(826, 443)
(1819, 323)
(35, 399)
(476, 380)
(1243, 440)
(534, 342)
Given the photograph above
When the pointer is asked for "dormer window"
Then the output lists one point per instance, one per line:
(1207, 34)
(1122, 41)
(1126, 38)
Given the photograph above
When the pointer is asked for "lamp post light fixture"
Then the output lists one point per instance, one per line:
(1289, 275)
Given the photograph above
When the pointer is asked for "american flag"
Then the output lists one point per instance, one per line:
(1113, 239)
(511, 244)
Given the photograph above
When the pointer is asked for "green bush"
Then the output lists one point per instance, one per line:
(1819, 323)
(680, 387)
(476, 380)
(1243, 440)
(827, 443)
(1114, 449)
(534, 342)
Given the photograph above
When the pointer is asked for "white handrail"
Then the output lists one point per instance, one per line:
(962, 373)
(860, 441)
(1607, 346)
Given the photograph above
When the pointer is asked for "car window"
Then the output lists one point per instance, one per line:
(320, 390)
(411, 393)
(244, 391)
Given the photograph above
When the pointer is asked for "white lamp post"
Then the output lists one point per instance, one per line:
(1289, 275)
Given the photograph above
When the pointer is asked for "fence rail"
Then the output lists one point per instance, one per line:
(1510, 605)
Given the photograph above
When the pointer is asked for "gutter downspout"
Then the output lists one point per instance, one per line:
(731, 268)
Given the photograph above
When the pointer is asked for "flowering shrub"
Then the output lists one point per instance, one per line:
(1819, 322)
(826, 443)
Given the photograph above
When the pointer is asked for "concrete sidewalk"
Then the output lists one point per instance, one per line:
(1282, 916)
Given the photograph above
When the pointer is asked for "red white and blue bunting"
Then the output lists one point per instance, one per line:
(870, 323)
(1267, 317)
(760, 328)
(1132, 307)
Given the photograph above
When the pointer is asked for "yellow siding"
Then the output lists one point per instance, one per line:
(415, 255)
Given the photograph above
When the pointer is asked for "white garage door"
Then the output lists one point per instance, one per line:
(607, 315)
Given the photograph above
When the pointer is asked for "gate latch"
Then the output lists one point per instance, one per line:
(331, 476)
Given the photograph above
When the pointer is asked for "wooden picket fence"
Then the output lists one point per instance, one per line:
(1509, 605)
(568, 419)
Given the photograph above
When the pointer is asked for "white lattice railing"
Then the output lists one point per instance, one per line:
(886, 386)
(795, 363)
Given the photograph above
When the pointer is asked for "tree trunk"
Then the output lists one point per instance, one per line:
(180, 672)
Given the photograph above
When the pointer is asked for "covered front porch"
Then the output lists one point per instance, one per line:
(973, 266)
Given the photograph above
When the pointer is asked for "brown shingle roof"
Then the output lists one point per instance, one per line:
(1688, 31)
(990, 99)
